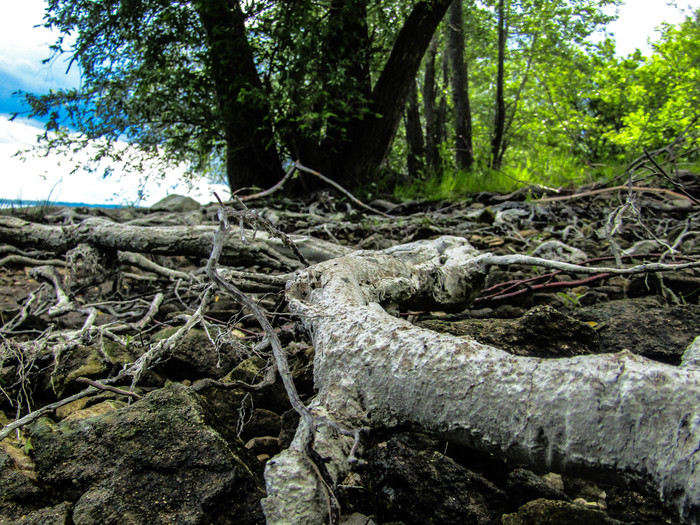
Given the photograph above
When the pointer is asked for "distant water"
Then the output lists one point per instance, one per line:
(17, 203)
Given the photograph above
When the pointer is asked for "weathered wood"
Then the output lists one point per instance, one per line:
(262, 249)
(619, 417)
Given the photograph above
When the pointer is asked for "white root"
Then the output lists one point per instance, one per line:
(619, 417)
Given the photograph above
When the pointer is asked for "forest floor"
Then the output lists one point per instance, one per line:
(124, 355)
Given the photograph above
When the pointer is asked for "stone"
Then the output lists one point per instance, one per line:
(524, 485)
(644, 327)
(427, 487)
(195, 357)
(176, 203)
(549, 512)
(541, 332)
(160, 460)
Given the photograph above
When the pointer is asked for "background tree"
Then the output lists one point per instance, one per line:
(246, 82)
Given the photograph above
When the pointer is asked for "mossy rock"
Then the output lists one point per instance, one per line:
(160, 460)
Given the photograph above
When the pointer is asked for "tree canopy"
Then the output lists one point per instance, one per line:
(239, 87)
(243, 82)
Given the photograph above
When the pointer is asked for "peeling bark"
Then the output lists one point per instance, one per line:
(618, 417)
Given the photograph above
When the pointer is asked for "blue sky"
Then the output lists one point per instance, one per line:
(23, 47)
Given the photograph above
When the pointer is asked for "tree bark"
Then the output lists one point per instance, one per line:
(260, 249)
(499, 122)
(464, 153)
(251, 154)
(430, 110)
(414, 136)
(372, 139)
(614, 416)
(347, 57)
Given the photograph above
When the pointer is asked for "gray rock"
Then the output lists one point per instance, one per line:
(550, 512)
(426, 487)
(158, 461)
(644, 327)
(176, 202)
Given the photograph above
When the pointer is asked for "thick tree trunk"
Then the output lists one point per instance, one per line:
(499, 121)
(464, 154)
(251, 155)
(372, 139)
(348, 76)
(616, 416)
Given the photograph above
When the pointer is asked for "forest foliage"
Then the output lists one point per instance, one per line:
(430, 97)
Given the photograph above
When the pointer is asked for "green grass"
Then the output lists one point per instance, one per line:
(550, 170)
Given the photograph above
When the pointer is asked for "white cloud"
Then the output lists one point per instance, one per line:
(639, 20)
(50, 178)
(23, 47)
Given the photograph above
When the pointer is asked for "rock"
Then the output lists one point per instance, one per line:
(195, 357)
(426, 487)
(176, 203)
(644, 327)
(356, 519)
(160, 460)
(262, 422)
(264, 445)
(691, 356)
(549, 512)
(19, 492)
(524, 485)
(542, 332)
(558, 251)
(83, 361)
(57, 515)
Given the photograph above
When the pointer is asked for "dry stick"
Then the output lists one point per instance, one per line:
(64, 303)
(138, 260)
(614, 188)
(18, 423)
(337, 186)
(506, 260)
(108, 388)
(675, 184)
(309, 421)
(253, 217)
(273, 189)
(21, 260)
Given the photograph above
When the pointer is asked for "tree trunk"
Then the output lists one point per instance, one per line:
(432, 156)
(251, 155)
(464, 154)
(260, 249)
(372, 138)
(497, 147)
(414, 136)
(348, 76)
(615, 416)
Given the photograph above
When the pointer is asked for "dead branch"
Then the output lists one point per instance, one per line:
(264, 251)
(616, 416)
(338, 187)
(641, 189)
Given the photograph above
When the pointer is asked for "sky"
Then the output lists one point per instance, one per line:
(23, 47)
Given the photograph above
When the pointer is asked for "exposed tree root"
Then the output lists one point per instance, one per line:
(617, 416)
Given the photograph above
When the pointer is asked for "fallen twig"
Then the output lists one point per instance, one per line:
(108, 388)
(337, 186)
(616, 188)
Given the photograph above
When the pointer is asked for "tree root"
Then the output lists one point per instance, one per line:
(619, 417)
